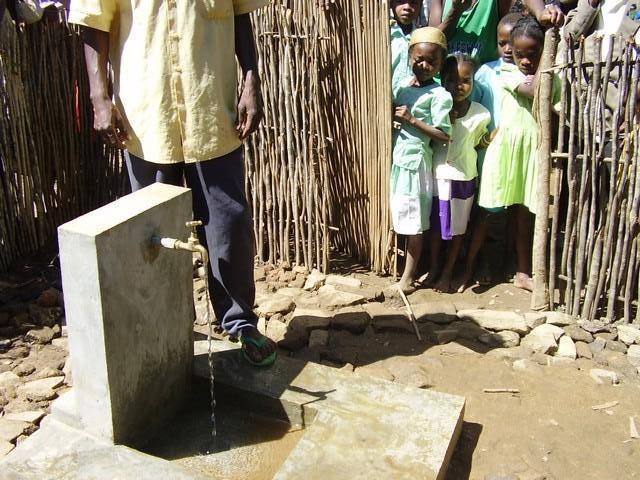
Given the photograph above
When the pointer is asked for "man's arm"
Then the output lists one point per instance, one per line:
(548, 16)
(449, 24)
(106, 118)
(250, 103)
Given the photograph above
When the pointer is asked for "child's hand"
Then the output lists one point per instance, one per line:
(403, 114)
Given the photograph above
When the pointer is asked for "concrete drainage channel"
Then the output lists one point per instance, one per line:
(136, 412)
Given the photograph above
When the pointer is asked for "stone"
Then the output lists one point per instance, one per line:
(33, 416)
(562, 362)
(408, 373)
(566, 348)
(560, 319)
(633, 355)
(376, 371)
(597, 345)
(331, 298)
(318, 338)
(526, 365)
(300, 269)
(11, 429)
(534, 319)
(291, 292)
(276, 304)
(577, 334)
(443, 336)
(129, 308)
(298, 282)
(384, 318)
(45, 317)
(8, 379)
(259, 274)
(41, 390)
(352, 319)
(66, 370)
(494, 476)
(495, 320)
(436, 312)
(23, 369)
(41, 335)
(294, 339)
(276, 330)
(550, 329)
(340, 281)
(607, 336)
(601, 376)
(62, 342)
(47, 372)
(594, 326)
(469, 330)
(315, 280)
(506, 339)
(628, 334)
(5, 448)
(583, 350)
(540, 341)
(616, 346)
(310, 319)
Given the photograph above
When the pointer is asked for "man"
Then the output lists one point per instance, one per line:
(175, 111)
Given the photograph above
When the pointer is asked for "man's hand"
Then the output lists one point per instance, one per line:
(403, 114)
(107, 121)
(250, 111)
(461, 5)
(551, 16)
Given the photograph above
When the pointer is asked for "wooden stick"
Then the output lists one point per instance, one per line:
(412, 317)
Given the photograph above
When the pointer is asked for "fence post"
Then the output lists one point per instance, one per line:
(543, 110)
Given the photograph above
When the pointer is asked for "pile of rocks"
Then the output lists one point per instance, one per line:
(33, 364)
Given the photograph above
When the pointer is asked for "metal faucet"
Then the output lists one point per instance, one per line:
(192, 244)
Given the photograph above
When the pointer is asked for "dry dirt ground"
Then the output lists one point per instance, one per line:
(549, 430)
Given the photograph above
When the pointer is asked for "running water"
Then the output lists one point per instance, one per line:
(209, 351)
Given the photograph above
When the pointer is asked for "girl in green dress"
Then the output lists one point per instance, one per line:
(509, 172)
(422, 109)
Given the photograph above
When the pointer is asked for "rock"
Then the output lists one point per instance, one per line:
(5, 448)
(560, 319)
(315, 280)
(602, 376)
(408, 373)
(57, 331)
(8, 379)
(436, 312)
(547, 328)
(23, 369)
(496, 320)
(375, 370)
(33, 416)
(526, 365)
(352, 319)
(276, 304)
(444, 335)
(385, 318)
(294, 339)
(49, 298)
(583, 350)
(310, 319)
(41, 335)
(332, 299)
(318, 338)
(469, 330)
(292, 292)
(616, 346)
(577, 334)
(494, 476)
(299, 281)
(47, 372)
(593, 326)
(66, 370)
(41, 390)
(46, 317)
(628, 334)
(276, 330)
(542, 359)
(597, 345)
(562, 362)
(606, 336)
(505, 339)
(633, 355)
(259, 274)
(62, 342)
(11, 429)
(542, 339)
(534, 319)
(340, 281)
(566, 348)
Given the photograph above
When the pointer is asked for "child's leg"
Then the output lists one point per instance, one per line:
(524, 240)
(478, 236)
(414, 249)
(444, 283)
(435, 242)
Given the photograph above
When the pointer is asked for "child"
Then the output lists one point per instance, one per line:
(455, 166)
(488, 92)
(509, 172)
(405, 13)
(422, 108)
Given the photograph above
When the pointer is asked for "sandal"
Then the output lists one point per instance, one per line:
(265, 362)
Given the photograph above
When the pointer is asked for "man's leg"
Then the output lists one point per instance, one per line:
(143, 173)
(219, 201)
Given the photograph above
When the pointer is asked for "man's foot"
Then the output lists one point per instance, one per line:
(428, 278)
(444, 284)
(257, 349)
(406, 287)
(466, 280)
(524, 281)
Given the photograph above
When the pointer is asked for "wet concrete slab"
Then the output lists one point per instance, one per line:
(356, 426)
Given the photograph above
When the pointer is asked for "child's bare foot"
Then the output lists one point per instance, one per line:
(465, 281)
(524, 281)
(444, 284)
(406, 287)
(428, 279)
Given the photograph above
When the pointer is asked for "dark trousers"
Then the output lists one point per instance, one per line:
(219, 200)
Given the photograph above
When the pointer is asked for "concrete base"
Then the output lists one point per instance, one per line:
(356, 426)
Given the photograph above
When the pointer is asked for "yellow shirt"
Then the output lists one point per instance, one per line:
(175, 76)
